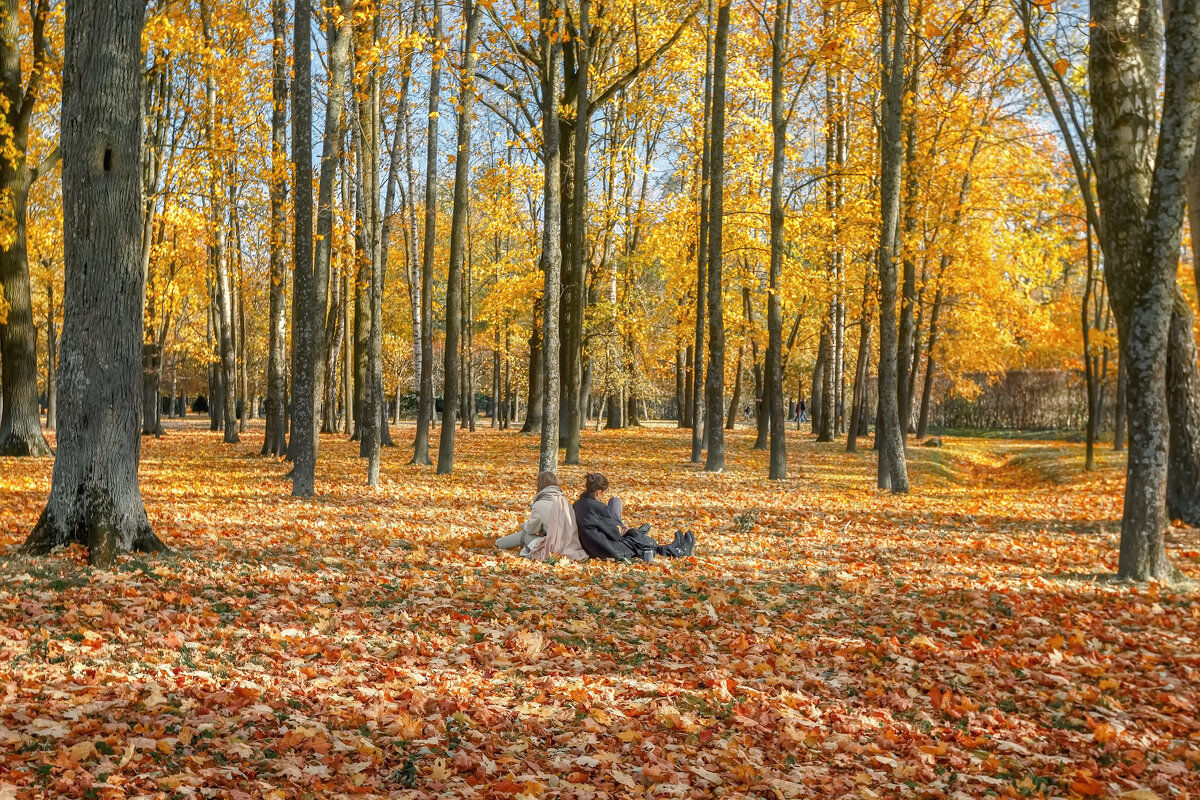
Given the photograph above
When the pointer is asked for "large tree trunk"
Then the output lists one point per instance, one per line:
(472, 11)
(425, 400)
(893, 471)
(94, 495)
(551, 250)
(1183, 406)
(20, 426)
(307, 310)
(715, 385)
(1142, 198)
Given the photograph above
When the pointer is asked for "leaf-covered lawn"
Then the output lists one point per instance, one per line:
(827, 640)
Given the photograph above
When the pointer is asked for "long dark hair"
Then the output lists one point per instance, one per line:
(595, 482)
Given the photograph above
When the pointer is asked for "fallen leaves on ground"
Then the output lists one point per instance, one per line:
(827, 640)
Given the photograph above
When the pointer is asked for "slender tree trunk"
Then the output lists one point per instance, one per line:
(374, 415)
(425, 407)
(715, 384)
(51, 362)
(94, 495)
(576, 298)
(275, 438)
(736, 400)
(680, 392)
(816, 403)
(533, 405)
(473, 11)
(218, 251)
(699, 440)
(1119, 421)
(906, 343)
(862, 369)
(930, 364)
(307, 310)
(551, 252)
(1090, 377)
(893, 471)
(1183, 402)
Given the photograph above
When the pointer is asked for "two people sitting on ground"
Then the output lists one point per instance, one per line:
(592, 528)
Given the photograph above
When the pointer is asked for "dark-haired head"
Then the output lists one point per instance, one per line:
(545, 479)
(595, 482)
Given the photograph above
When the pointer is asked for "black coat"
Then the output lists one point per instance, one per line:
(599, 531)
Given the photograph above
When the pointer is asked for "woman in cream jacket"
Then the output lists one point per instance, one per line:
(550, 530)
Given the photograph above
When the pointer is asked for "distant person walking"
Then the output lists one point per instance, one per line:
(802, 416)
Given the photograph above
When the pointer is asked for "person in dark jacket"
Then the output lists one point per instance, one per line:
(603, 534)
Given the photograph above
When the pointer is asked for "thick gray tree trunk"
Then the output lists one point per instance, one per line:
(1142, 198)
(94, 495)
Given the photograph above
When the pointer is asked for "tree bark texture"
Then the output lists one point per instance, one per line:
(94, 494)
